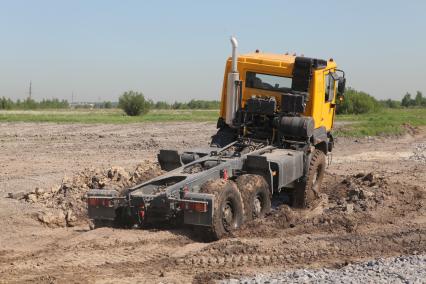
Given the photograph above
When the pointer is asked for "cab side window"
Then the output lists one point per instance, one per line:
(329, 86)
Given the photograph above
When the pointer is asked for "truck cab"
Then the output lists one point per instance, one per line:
(314, 86)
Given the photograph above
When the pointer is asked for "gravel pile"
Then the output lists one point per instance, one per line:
(419, 153)
(403, 269)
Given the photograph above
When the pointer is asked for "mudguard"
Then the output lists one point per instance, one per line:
(102, 204)
(193, 217)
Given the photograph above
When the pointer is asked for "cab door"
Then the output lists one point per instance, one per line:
(329, 104)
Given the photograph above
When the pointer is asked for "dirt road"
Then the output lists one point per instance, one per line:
(374, 207)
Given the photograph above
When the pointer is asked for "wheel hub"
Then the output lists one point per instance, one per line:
(228, 215)
(257, 205)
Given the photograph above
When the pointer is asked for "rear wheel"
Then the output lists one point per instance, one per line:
(256, 196)
(228, 208)
(308, 190)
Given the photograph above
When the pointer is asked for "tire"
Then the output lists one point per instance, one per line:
(123, 219)
(228, 212)
(256, 196)
(307, 190)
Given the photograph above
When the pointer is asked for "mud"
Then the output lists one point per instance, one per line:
(372, 206)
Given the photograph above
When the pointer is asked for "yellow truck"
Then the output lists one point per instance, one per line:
(274, 132)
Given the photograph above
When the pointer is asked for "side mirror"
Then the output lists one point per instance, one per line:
(341, 87)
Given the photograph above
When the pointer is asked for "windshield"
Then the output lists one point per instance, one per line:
(268, 82)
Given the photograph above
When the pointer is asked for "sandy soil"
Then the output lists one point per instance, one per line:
(361, 217)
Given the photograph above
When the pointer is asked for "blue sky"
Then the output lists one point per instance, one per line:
(176, 50)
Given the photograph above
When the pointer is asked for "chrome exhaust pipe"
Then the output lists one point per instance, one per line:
(231, 87)
(234, 43)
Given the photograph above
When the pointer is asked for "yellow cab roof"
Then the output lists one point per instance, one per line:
(274, 59)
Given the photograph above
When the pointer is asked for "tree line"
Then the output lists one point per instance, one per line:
(418, 100)
(357, 102)
(135, 103)
(192, 104)
(31, 104)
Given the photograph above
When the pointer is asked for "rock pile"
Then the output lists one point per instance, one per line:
(359, 192)
(65, 204)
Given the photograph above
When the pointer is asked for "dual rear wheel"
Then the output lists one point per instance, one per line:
(249, 197)
(235, 202)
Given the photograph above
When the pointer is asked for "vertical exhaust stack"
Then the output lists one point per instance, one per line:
(231, 86)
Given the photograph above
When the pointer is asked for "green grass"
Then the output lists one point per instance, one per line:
(114, 116)
(385, 122)
(382, 123)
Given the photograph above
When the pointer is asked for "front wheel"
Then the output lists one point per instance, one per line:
(308, 190)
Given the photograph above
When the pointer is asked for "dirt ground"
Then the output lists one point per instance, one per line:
(373, 206)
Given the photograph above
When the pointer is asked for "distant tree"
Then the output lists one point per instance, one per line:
(162, 105)
(357, 102)
(133, 103)
(29, 104)
(419, 99)
(406, 100)
(6, 103)
(150, 103)
(202, 104)
(107, 104)
(178, 105)
(52, 104)
(390, 103)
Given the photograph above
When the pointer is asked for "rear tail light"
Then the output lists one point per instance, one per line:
(96, 202)
(201, 207)
(142, 211)
(224, 174)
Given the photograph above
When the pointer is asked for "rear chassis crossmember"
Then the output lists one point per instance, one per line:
(109, 208)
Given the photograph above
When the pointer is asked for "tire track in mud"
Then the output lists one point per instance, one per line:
(218, 258)
(349, 247)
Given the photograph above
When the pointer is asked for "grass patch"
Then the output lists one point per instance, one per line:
(114, 116)
(384, 122)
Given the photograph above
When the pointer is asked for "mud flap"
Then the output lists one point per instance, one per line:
(193, 217)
